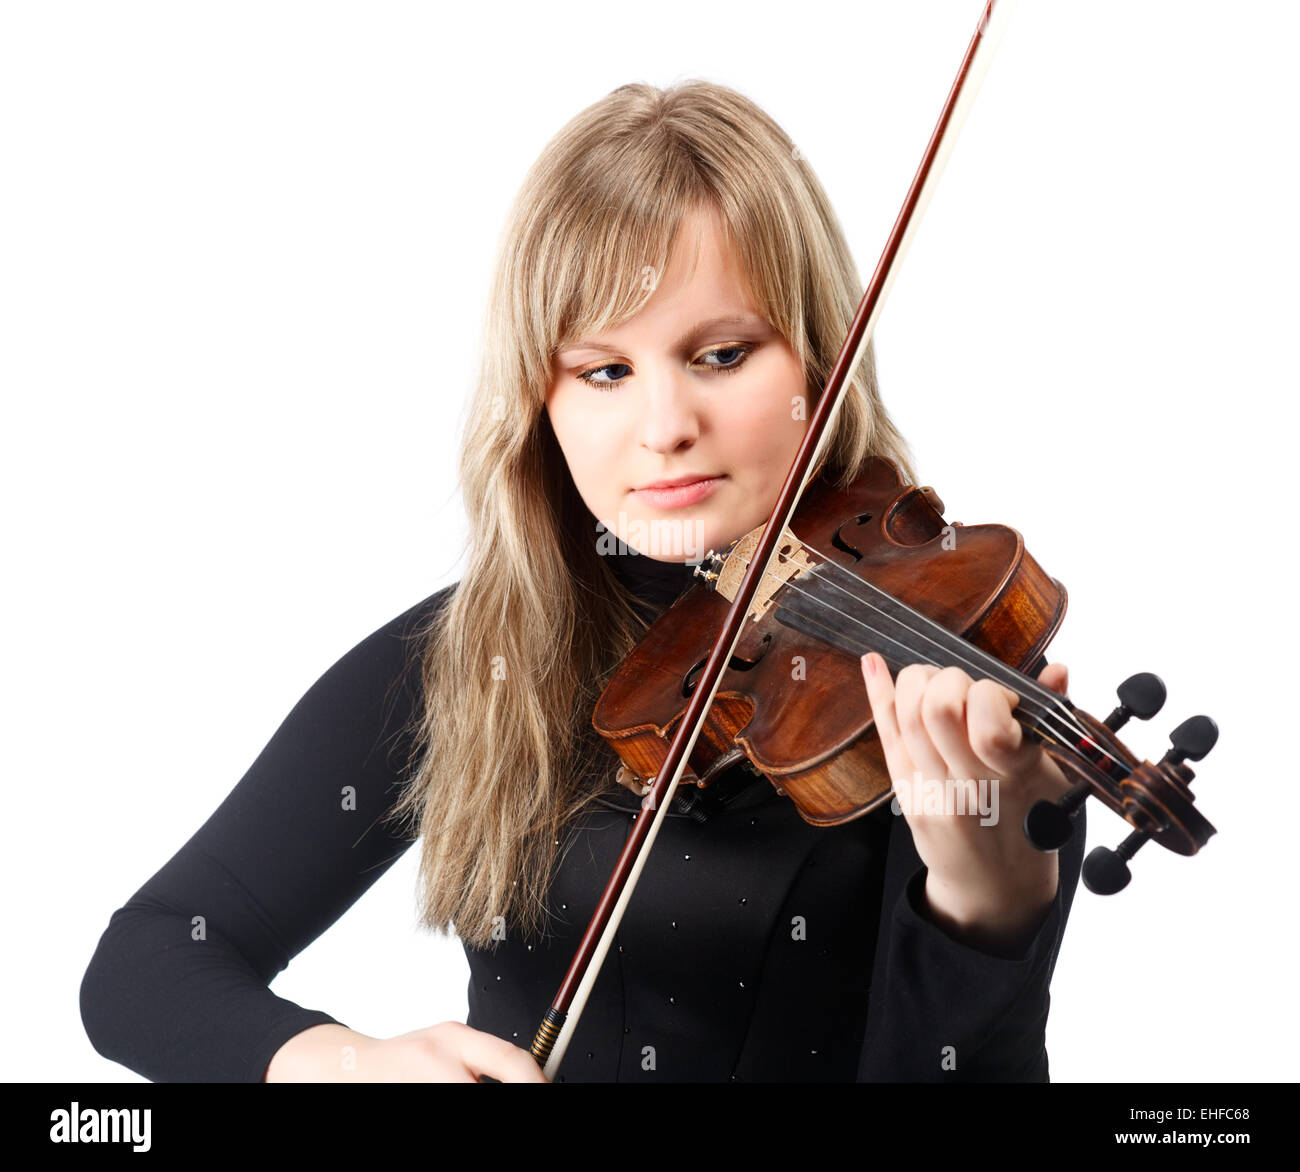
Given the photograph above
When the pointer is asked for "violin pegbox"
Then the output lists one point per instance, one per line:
(1156, 799)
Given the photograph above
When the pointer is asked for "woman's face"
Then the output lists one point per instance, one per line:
(676, 393)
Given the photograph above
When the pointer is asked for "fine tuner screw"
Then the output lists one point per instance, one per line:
(710, 559)
(1106, 871)
(1050, 825)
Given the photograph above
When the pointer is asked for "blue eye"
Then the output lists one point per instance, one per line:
(741, 353)
(586, 375)
(737, 355)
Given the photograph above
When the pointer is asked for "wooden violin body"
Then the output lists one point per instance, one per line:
(792, 703)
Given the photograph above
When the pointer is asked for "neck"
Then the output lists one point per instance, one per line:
(658, 583)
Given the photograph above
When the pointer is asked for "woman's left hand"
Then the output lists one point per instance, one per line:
(947, 738)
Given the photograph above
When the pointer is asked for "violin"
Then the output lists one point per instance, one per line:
(875, 567)
(837, 571)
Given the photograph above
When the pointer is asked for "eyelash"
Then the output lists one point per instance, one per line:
(745, 352)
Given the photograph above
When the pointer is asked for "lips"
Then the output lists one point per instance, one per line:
(678, 493)
(677, 482)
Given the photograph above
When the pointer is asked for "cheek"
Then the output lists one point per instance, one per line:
(579, 420)
(584, 440)
(767, 429)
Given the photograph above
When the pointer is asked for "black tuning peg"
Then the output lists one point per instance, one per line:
(1192, 739)
(1142, 695)
(1105, 871)
(1049, 825)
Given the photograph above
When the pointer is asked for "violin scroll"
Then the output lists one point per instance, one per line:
(1156, 799)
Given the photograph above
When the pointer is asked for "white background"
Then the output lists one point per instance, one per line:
(244, 250)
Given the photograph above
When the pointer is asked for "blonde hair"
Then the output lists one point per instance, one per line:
(504, 757)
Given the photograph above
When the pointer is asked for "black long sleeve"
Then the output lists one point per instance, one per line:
(177, 988)
(942, 1011)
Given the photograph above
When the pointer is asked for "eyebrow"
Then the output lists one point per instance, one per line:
(730, 319)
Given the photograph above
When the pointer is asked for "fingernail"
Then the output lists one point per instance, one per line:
(869, 663)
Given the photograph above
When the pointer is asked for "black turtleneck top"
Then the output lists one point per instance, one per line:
(755, 948)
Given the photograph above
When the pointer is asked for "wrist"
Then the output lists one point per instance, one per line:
(995, 918)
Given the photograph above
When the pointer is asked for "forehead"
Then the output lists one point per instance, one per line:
(702, 285)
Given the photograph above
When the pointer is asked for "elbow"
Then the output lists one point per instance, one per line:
(96, 999)
(113, 994)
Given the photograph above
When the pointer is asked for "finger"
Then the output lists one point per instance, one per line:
(996, 736)
(913, 682)
(946, 716)
(880, 695)
(486, 1054)
(1056, 677)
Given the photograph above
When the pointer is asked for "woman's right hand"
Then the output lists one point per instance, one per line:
(448, 1052)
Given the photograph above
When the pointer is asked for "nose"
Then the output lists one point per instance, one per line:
(671, 421)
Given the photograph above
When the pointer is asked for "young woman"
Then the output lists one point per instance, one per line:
(671, 292)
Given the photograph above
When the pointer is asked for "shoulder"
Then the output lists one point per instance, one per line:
(415, 619)
(380, 669)
(402, 639)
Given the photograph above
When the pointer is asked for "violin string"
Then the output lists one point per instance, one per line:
(1029, 690)
(1039, 717)
(957, 649)
(821, 603)
(1010, 677)
(1036, 714)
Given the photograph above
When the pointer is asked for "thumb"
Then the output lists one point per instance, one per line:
(1055, 676)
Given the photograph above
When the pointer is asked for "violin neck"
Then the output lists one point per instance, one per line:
(849, 613)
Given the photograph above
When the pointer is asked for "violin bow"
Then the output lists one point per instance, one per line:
(553, 1035)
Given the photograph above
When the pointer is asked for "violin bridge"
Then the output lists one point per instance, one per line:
(791, 559)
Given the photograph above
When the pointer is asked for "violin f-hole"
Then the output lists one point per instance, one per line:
(839, 543)
(736, 663)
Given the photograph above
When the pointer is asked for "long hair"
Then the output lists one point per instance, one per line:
(503, 755)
